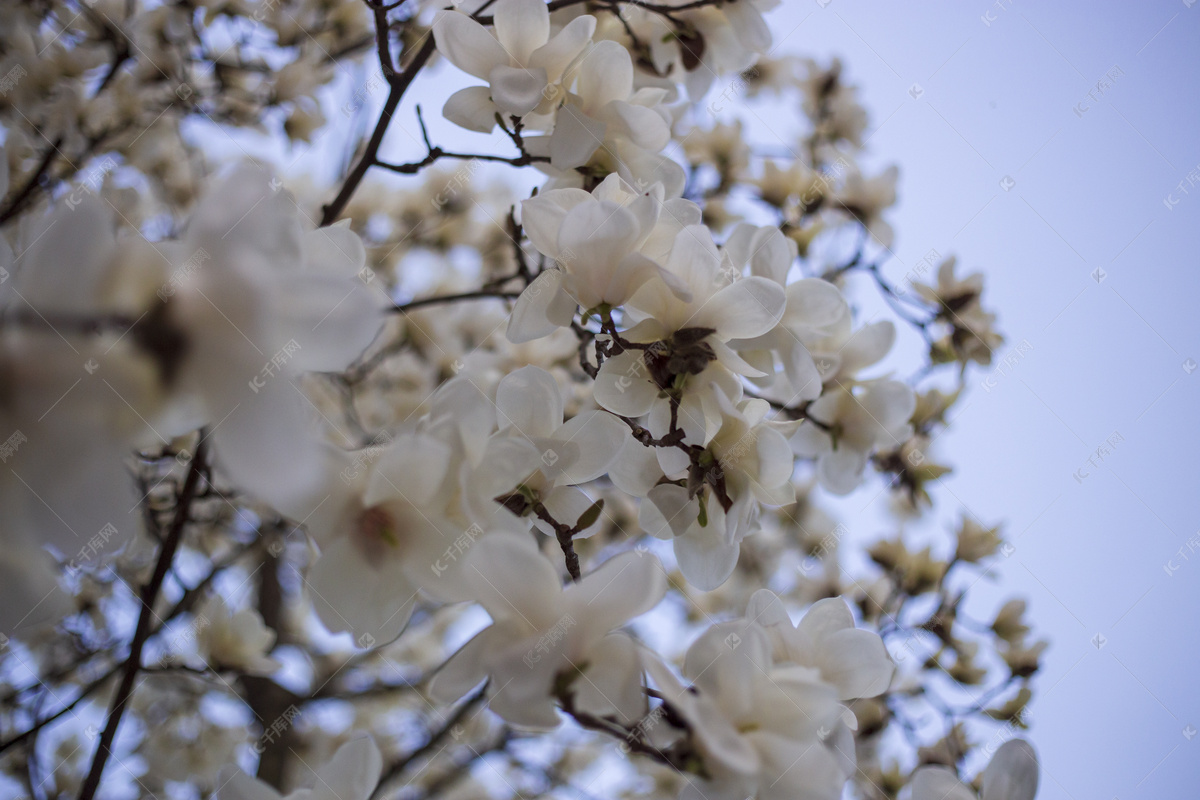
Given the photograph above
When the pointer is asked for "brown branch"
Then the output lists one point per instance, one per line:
(144, 628)
(453, 298)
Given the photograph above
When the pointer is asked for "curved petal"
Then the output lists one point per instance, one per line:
(744, 309)
(542, 308)
(1012, 773)
(471, 108)
(605, 75)
(466, 44)
(530, 401)
(857, 663)
(542, 217)
(599, 436)
(667, 511)
(596, 236)
(522, 26)
(814, 303)
(517, 90)
(625, 586)
(564, 47)
(463, 671)
(939, 783)
(840, 471)
(635, 470)
(704, 557)
(412, 468)
(354, 769)
(576, 136)
(515, 581)
(623, 385)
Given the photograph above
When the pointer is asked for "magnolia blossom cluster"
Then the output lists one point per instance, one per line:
(344, 480)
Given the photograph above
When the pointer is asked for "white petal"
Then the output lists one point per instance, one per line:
(564, 46)
(613, 682)
(599, 436)
(517, 90)
(744, 309)
(704, 557)
(868, 345)
(857, 663)
(237, 785)
(606, 74)
(566, 504)
(623, 385)
(463, 671)
(596, 236)
(840, 471)
(467, 44)
(939, 783)
(667, 511)
(353, 771)
(542, 308)
(351, 594)
(814, 303)
(412, 468)
(576, 136)
(542, 217)
(471, 108)
(775, 460)
(748, 23)
(515, 580)
(530, 401)
(333, 320)
(635, 470)
(627, 585)
(522, 26)
(1012, 773)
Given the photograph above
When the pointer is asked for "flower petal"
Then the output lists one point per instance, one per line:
(517, 90)
(471, 108)
(744, 309)
(522, 26)
(542, 308)
(466, 44)
(530, 402)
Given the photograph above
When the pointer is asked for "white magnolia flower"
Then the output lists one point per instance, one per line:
(538, 456)
(853, 660)
(520, 61)
(381, 536)
(729, 306)
(750, 463)
(842, 353)
(597, 241)
(760, 730)
(854, 423)
(1012, 774)
(351, 774)
(866, 199)
(543, 635)
(80, 392)
(814, 310)
(255, 300)
(606, 122)
(234, 639)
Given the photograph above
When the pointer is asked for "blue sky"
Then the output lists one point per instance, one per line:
(1090, 256)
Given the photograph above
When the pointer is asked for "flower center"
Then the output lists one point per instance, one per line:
(377, 532)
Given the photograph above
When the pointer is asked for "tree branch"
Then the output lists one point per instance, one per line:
(145, 622)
